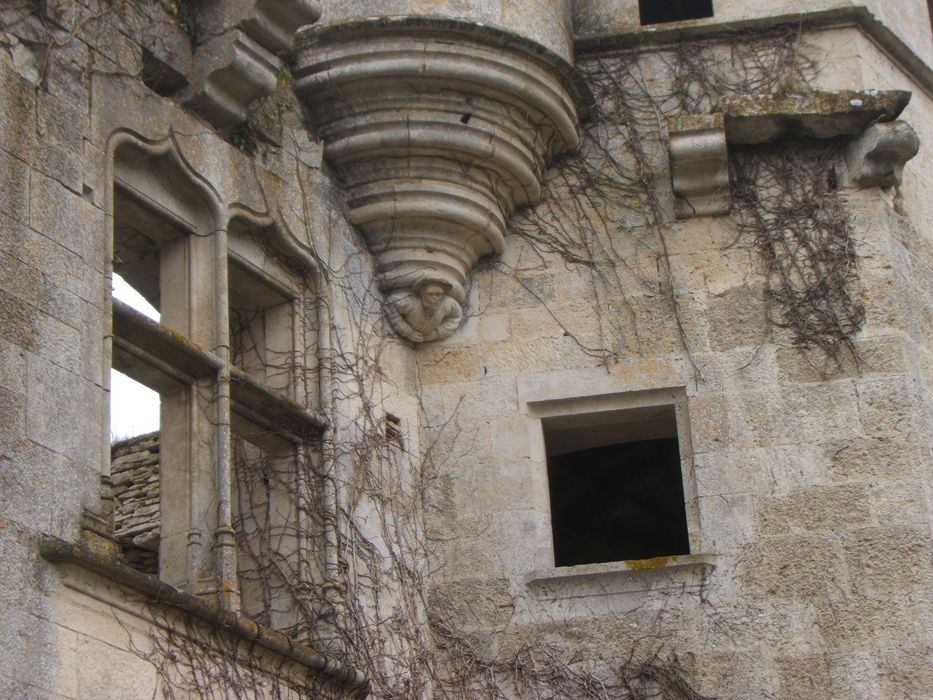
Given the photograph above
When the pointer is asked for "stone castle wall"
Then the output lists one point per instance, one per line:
(808, 486)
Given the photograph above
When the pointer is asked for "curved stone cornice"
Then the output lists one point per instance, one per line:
(438, 129)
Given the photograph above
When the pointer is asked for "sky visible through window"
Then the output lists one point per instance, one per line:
(134, 408)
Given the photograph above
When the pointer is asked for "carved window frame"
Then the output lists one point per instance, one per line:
(192, 357)
(543, 402)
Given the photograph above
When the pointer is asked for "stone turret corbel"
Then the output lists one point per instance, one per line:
(877, 157)
(438, 129)
(240, 62)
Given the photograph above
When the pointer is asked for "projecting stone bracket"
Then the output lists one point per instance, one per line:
(239, 63)
(877, 157)
(699, 143)
(699, 166)
(231, 71)
(271, 23)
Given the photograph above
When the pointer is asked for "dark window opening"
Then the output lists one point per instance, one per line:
(659, 11)
(394, 430)
(616, 486)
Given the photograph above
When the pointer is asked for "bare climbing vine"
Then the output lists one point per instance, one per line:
(333, 546)
(790, 206)
(608, 208)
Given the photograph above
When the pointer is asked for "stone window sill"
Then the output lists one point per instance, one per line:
(700, 563)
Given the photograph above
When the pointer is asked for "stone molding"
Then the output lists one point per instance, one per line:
(878, 156)
(231, 71)
(438, 129)
(239, 64)
(699, 166)
(857, 16)
(271, 23)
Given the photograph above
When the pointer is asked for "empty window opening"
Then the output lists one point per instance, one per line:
(208, 501)
(268, 528)
(262, 342)
(154, 401)
(134, 407)
(394, 430)
(616, 486)
(659, 11)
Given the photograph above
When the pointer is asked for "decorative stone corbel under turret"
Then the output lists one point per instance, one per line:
(877, 157)
(699, 165)
(438, 129)
(239, 63)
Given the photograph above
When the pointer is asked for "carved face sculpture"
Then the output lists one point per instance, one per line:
(431, 296)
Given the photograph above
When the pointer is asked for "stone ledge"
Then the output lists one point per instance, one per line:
(103, 561)
(699, 142)
(757, 119)
(702, 562)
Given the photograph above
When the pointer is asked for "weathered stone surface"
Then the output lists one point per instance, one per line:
(67, 219)
(817, 508)
(699, 167)
(877, 157)
(14, 194)
(760, 119)
(801, 567)
(886, 559)
(737, 317)
(231, 72)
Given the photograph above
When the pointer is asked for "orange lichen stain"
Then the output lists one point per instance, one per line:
(653, 563)
(249, 626)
